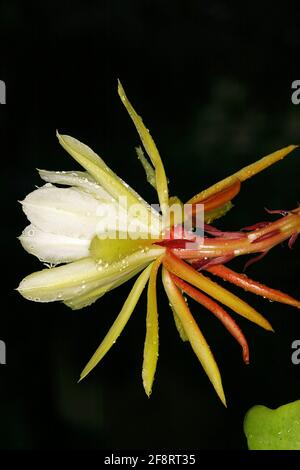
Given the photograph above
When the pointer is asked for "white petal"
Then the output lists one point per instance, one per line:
(74, 213)
(53, 248)
(74, 279)
(63, 211)
(80, 179)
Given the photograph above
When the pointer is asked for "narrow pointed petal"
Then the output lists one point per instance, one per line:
(179, 325)
(53, 248)
(151, 340)
(106, 177)
(245, 173)
(218, 311)
(186, 272)
(120, 322)
(255, 287)
(151, 149)
(149, 170)
(218, 199)
(194, 334)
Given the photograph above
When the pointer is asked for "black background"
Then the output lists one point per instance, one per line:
(213, 83)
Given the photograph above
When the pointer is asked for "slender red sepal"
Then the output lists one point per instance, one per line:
(218, 311)
(266, 236)
(219, 233)
(175, 243)
(203, 263)
(277, 211)
(255, 287)
(292, 240)
(254, 259)
(249, 228)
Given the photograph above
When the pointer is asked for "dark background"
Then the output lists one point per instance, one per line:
(213, 83)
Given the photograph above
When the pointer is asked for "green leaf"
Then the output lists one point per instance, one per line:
(278, 429)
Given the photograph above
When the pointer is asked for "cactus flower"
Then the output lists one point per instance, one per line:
(95, 233)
